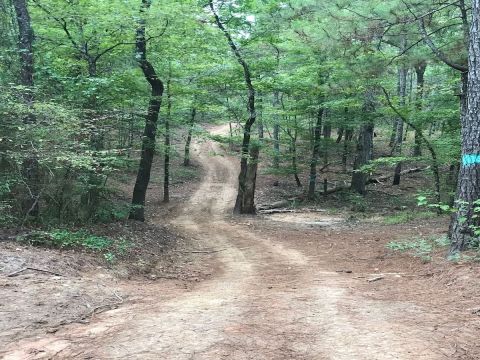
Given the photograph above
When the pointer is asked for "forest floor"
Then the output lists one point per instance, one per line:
(303, 285)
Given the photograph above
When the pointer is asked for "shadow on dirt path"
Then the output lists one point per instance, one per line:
(268, 301)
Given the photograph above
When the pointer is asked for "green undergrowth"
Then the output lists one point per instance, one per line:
(420, 247)
(424, 248)
(82, 239)
(407, 216)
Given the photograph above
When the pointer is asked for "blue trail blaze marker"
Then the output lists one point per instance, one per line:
(471, 159)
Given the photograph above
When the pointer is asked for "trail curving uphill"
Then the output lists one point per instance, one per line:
(268, 301)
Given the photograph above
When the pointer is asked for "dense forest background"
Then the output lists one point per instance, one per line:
(93, 91)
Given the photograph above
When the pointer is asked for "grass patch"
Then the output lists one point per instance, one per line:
(407, 216)
(420, 247)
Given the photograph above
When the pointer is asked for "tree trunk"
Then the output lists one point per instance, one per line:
(245, 196)
(346, 148)
(340, 135)
(468, 188)
(420, 72)
(137, 211)
(249, 197)
(327, 130)
(364, 146)
(166, 165)
(191, 124)
(30, 166)
(276, 131)
(402, 93)
(25, 46)
(317, 132)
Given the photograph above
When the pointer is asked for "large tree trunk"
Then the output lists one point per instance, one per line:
(317, 133)
(249, 198)
(364, 146)
(468, 188)
(148, 142)
(30, 166)
(420, 72)
(191, 124)
(246, 189)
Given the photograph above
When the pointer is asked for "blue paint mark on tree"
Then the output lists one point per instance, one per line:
(471, 159)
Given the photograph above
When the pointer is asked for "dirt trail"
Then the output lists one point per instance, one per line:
(268, 301)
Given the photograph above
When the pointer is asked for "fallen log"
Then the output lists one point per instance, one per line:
(275, 211)
(381, 179)
(275, 205)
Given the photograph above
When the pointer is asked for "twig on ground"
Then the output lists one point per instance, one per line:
(200, 251)
(15, 273)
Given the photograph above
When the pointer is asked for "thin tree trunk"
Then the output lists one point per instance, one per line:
(276, 131)
(468, 189)
(420, 72)
(137, 211)
(245, 197)
(346, 148)
(364, 146)
(166, 168)
(191, 124)
(294, 157)
(402, 93)
(340, 135)
(435, 167)
(327, 130)
(317, 132)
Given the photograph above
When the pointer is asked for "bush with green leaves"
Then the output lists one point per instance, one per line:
(71, 179)
(67, 239)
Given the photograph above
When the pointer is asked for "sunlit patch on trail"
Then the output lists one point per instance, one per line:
(310, 219)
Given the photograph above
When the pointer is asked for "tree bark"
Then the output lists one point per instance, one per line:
(276, 131)
(137, 211)
(420, 72)
(191, 124)
(402, 93)
(468, 188)
(346, 148)
(166, 163)
(364, 146)
(30, 166)
(25, 46)
(317, 133)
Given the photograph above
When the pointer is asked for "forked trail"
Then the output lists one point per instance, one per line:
(267, 301)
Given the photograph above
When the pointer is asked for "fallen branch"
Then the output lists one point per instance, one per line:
(275, 211)
(375, 279)
(200, 251)
(335, 189)
(381, 179)
(15, 273)
(275, 205)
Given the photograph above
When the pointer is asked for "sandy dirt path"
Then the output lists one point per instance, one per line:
(267, 301)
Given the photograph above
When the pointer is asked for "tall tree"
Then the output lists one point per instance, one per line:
(30, 167)
(148, 142)
(462, 228)
(244, 203)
